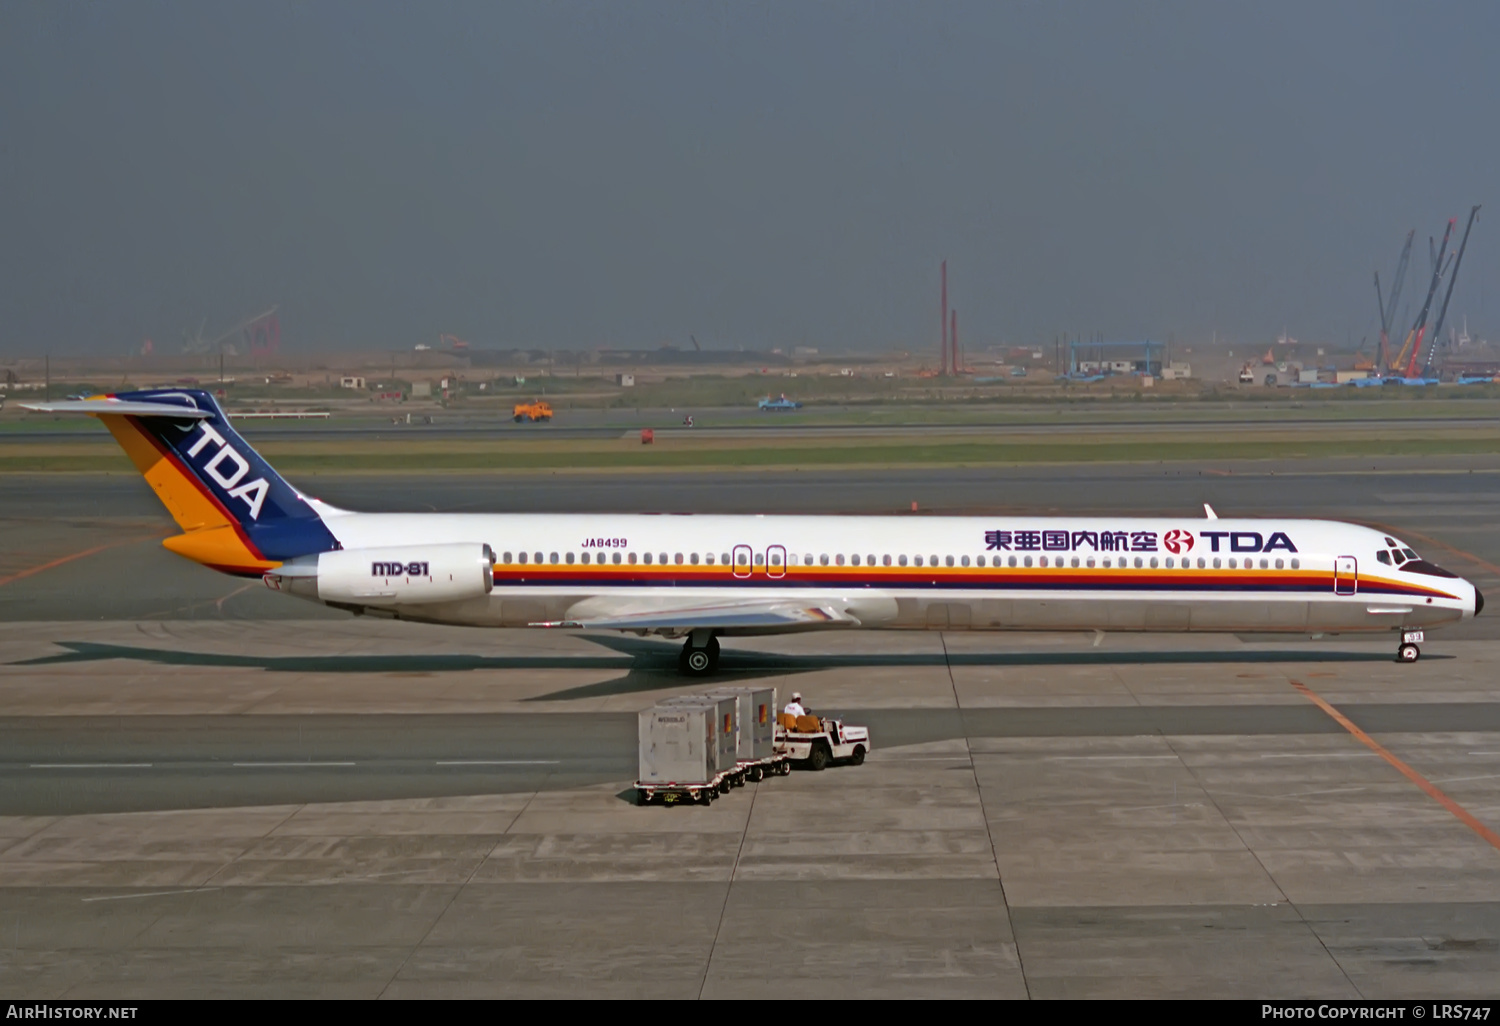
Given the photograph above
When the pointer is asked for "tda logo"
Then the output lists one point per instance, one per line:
(1250, 541)
(227, 468)
(1178, 541)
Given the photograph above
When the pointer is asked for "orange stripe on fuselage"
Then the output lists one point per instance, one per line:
(211, 536)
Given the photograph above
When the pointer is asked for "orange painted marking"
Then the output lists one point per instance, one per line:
(32, 571)
(1463, 814)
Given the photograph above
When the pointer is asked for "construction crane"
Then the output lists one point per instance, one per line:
(1437, 329)
(1413, 344)
(1388, 310)
(696, 347)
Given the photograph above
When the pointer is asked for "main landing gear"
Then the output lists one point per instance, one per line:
(700, 654)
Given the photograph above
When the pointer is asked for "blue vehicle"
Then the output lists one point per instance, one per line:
(779, 403)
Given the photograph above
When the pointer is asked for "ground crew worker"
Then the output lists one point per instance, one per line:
(794, 707)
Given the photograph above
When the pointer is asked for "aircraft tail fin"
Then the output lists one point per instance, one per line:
(237, 514)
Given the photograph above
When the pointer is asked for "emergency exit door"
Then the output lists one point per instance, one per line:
(1345, 575)
(775, 561)
(741, 558)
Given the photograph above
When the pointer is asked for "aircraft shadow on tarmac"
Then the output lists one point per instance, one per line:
(652, 665)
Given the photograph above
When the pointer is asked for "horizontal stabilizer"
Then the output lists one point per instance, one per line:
(761, 615)
(120, 407)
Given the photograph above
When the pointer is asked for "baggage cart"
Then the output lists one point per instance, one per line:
(727, 730)
(755, 749)
(680, 753)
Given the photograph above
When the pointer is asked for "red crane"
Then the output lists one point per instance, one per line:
(1420, 327)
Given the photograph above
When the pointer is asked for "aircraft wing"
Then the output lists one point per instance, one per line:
(785, 615)
(97, 406)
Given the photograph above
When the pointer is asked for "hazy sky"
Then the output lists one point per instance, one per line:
(586, 174)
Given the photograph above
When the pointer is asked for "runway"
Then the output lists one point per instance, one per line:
(210, 790)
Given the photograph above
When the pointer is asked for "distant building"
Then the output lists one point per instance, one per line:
(421, 390)
(625, 380)
(349, 381)
(1176, 372)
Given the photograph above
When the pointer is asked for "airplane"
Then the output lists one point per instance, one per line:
(702, 577)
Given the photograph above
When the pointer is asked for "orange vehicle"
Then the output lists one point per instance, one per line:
(531, 411)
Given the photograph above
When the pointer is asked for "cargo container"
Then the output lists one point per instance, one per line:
(726, 710)
(680, 751)
(755, 748)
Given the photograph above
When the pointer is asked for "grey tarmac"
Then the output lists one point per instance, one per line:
(205, 791)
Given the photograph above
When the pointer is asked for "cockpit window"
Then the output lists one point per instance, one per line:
(1408, 553)
(1391, 542)
(1384, 557)
(1420, 566)
(1399, 557)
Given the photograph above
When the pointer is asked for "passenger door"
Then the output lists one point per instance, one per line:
(741, 560)
(776, 561)
(1345, 575)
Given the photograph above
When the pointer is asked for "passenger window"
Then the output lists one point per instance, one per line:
(584, 558)
(1011, 561)
(949, 561)
(823, 559)
(901, 560)
(1028, 560)
(1296, 564)
(617, 559)
(1384, 557)
(1138, 563)
(1106, 563)
(807, 559)
(1233, 565)
(1201, 563)
(1153, 562)
(965, 561)
(632, 559)
(916, 561)
(854, 559)
(662, 559)
(506, 558)
(724, 558)
(869, 561)
(743, 559)
(1075, 560)
(709, 559)
(677, 558)
(932, 561)
(1216, 563)
(1169, 562)
(522, 556)
(885, 560)
(1042, 561)
(839, 559)
(1264, 564)
(1280, 564)
(554, 557)
(1090, 562)
(646, 558)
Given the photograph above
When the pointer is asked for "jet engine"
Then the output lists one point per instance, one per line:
(400, 575)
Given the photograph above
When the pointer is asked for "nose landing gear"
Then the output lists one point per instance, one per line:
(1408, 653)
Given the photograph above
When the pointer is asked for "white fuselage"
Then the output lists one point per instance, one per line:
(954, 573)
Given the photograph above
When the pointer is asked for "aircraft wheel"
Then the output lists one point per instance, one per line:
(1408, 653)
(699, 662)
